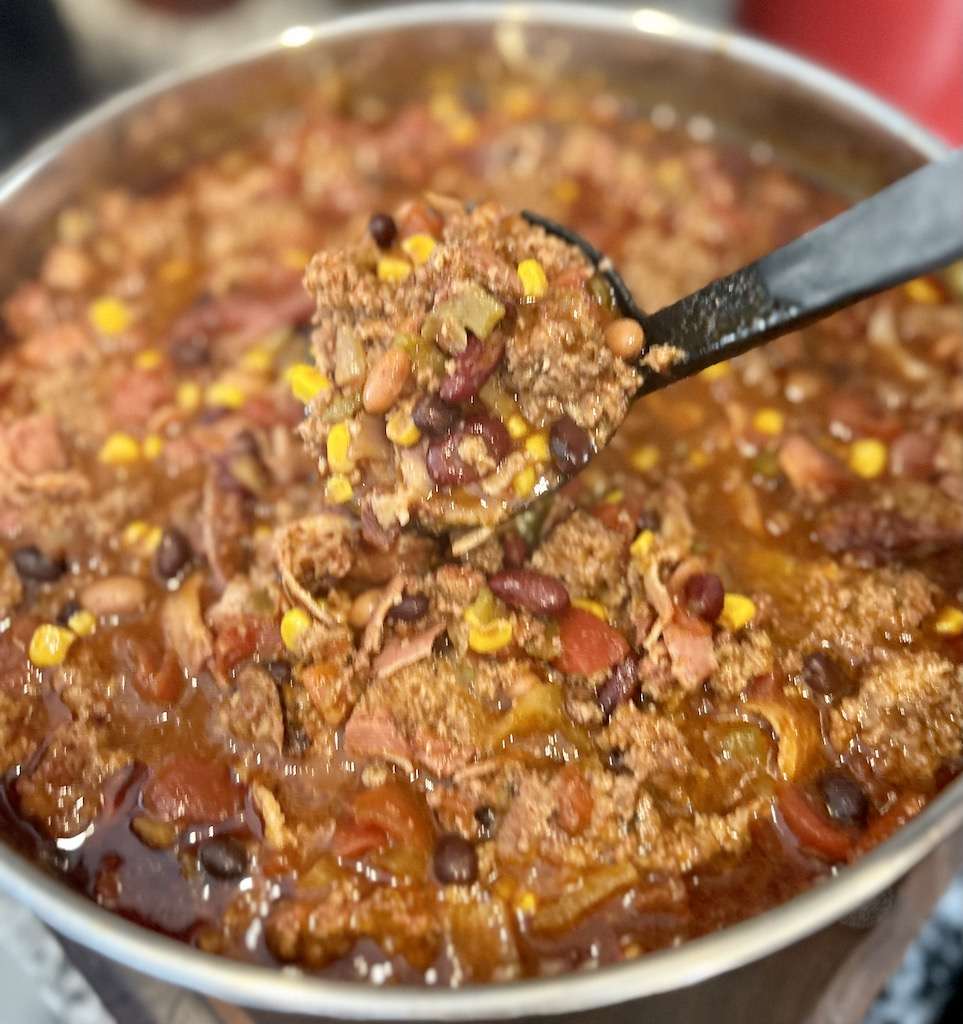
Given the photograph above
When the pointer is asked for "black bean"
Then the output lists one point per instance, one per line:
(570, 445)
(35, 566)
(455, 861)
(442, 647)
(824, 675)
(845, 800)
(534, 591)
(409, 609)
(224, 857)
(433, 416)
(173, 553)
(622, 683)
(382, 229)
(278, 669)
(67, 611)
(616, 762)
(648, 519)
(485, 816)
(703, 595)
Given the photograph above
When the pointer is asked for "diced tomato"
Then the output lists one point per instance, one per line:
(814, 830)
(353, 839)
(192, 788)
(154, 671)
(589, 645)
(244, 637)
(398, 810)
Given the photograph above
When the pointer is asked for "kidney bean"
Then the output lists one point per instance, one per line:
(535, 591)
(824, 675)
(386, 380)
(114, 595)
(34, 565)
(703, 596)
(447, 468)
(472, 368)
(570, 445)
(409, 609)
(515, 549)
(913, 455)
(845, 800)
(621, 684)
(432, 416)
(382, 229)
(455, 861)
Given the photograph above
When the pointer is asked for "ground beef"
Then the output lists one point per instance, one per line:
(905, 718)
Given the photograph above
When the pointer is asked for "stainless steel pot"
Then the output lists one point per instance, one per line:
(747, 89)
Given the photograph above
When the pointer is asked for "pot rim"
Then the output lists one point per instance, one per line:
(290, 990)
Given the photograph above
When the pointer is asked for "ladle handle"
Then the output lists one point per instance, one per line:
(907, 229)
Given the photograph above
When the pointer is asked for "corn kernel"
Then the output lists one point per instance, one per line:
(134, 532)
(49, 645)
(867, 457)
(401, 430)
(533, 278)
(594, 607)
(419, 247)
(109, 316)
(153, 446)
(537, 447)
(737, 611)
(294, 624)
(173, 271)
(716, 372)
(445, 106)
(306, 381)
(338, 489)
(642, 544)
(566, 190)
(949, 621)
(526, 902)
(923, 290)
(463, 130)
(490, 638)
(524, 482)
(296, 259)
(222, 394)
(339, 440)
(188, 396)
(518, 101)
(613, 497)
(119, 450)
(698, 459)
(645, 458)
(149, 359)
(517, 426)
(481, 611)
(257, 359)
(769, 421)
(392, 269)
(82, 622)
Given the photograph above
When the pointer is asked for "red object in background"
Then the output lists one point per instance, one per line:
(908, 51)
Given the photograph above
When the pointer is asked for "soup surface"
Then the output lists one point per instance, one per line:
(724, 662)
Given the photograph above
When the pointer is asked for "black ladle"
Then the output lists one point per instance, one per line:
(907, 229)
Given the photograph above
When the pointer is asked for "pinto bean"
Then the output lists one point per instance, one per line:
(535, 591)
(363, 606)
(114, 595)
(386, 380)
(472, 368)
(625, 338)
